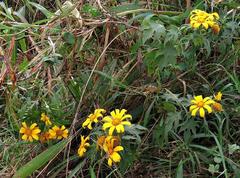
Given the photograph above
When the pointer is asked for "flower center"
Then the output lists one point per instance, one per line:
(59, 132)
(116, 121)
(92, 117)
(200, 104)
(110, 151)
(28, 132)
(200, 20)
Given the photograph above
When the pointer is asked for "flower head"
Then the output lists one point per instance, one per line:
(217, 107)
(45, 119)
(58, 132)
(116, 121)
(103, 139)
(218, 96)
(112, 150)
(93, 118)
(45, 136)
(30, 133)
(201, 18)
(201, 104)
(82, 147)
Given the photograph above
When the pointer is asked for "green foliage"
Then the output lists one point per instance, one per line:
(40, 160)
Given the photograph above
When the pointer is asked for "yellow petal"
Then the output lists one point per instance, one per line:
(107, 119)
(85, 123)
(30, 139)
(126, 116)
(198, 98)
(33, 126)
(120, 128)
(206, 99)
(106, 125)
(126, 123)
(196, 25)
(192, 107)
(36, 131)
(118, 148)
(22, 130)
(111, 130)
(205, 25)
(202, 112)
(113, 114)
(110, 162)
(208, 108)
(218, 97)
(24, 124)
(117, 111)
(35, 136)
(116, 157)
(90, 126)
(122, 112)
(209, 102)
(194, 112)
(24, 137)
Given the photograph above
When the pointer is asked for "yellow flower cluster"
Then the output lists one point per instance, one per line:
(201, 105)
(200, 18)
(114, 126)
(32, 132)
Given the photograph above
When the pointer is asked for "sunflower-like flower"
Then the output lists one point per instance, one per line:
(98, 113)
(116, 121)
(58, 132)
(45, 136)
(112, 150)
(201, 104)
(45, 119)
(82, 147)
(201, 18)
(30, 133)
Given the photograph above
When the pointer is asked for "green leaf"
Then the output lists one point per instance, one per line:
(46, 12)
(40, 160)
(92, 173)
(69, 38)
(179, 172)
(232, 148)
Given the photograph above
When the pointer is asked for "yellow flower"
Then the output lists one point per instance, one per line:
(217, 107)
(218, 96)
(100, 141)
(112, 150)
(103, 139)
(30, 133)
(45, 119)
(82, 147)
(201, 18)
(58, 133)
(45, 136)
(201, 104)
(116, 121)
(216, 28)
(93, 118)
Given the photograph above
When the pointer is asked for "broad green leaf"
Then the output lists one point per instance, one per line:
(40, 160)
(69, 38)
